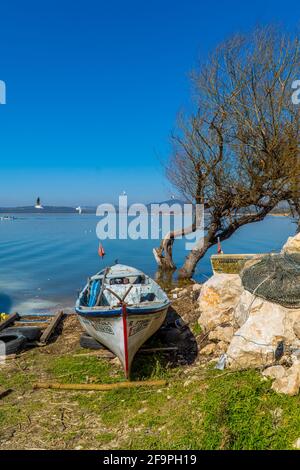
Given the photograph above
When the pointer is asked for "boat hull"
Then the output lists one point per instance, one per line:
(123, 331)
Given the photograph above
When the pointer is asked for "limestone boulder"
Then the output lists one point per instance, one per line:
(296, 328)
(292, 245)
(289, 384)
(242, 310)
(221, 347)
(196, 291)
(197, 287)
(274, 372)
(222, 334)
(208, 349)
(218, 299)
(254, 344)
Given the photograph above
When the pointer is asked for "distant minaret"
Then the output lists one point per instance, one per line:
(38, 204)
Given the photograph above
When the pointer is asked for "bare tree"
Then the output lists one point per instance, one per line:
(238, 153)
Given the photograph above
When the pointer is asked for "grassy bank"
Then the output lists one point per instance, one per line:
(198, 409)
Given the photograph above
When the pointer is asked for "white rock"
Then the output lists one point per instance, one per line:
(116, 361)
(297, 443)
(183, 292)
(241, 312)
(292, 245)
(208, 349)
(255, 342)
(274, 372)
(222, 347)
(290, 383)
(222, 334)
(296, 328)
(197, 287)
(218, 297)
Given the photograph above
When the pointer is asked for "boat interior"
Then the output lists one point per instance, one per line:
(132, 288)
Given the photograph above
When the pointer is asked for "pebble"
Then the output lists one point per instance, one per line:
(297, 443)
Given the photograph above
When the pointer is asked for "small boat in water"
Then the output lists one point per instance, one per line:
(4, 218)
(121, 307)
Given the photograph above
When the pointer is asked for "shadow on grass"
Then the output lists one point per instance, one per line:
(173, 333)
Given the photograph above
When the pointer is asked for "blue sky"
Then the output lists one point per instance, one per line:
(94, 87)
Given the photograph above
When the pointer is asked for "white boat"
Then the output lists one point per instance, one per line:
(121, 307)
(6, 218)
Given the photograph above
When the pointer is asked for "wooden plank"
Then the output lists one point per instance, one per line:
(50, 329)
(100, 387)
(37, 324)
(11, 319)
(162, 349)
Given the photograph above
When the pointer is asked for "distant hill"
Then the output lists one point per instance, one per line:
(282, 207)
(70, 210)
(170, 202)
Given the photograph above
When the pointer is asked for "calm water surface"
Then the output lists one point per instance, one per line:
(46, 259)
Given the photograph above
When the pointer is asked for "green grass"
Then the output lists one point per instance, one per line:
(216, 410)
(241, 412)
(196, 329)
(18, 380)
(72, 369)
(222, 411)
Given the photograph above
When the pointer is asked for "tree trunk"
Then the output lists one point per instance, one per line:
(211, 239)
(164, 253)
(191, 260)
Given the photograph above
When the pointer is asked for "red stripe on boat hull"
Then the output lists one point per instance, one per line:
(124, 312)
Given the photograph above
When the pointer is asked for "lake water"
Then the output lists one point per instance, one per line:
(46, 259)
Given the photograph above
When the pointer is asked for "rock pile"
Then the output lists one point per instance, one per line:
(254, 332)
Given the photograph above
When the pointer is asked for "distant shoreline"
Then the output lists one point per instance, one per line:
(281, 214)
(93, 209)
(45, 210)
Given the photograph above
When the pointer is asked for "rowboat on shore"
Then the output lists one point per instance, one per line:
(121, 307)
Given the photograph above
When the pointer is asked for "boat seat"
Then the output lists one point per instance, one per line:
(147, 297)
(138, 294)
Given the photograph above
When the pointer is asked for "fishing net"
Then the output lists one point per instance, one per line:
(275, 278)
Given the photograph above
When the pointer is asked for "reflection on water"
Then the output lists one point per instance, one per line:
(5, 303)
(46, 259)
